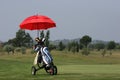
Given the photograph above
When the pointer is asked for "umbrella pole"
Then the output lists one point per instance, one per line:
(37, 33)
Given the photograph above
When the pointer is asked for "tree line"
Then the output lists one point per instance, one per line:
(86, 46)
(23, 40)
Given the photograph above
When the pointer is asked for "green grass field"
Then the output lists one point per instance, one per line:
(70, 67)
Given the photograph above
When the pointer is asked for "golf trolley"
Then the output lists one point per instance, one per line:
(51, 69)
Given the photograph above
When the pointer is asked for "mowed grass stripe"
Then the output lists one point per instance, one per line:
(104, 69)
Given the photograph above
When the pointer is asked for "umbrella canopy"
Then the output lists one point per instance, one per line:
(37, 22)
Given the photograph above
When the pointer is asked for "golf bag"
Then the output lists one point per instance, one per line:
(44, 58)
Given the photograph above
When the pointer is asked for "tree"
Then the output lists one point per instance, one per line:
(77, 47)
(85, 40)
(73, 46)
(80, 46)
(99, 46)
(22, 39)
(51, 47)
(61, 46)
(104, 52)
(69, 46)
(111, 45)
(47, 36)
(42, 34)
(12, 42)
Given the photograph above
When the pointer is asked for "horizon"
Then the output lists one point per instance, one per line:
(74, 39)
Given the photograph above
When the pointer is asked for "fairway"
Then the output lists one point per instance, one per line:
(72, 67)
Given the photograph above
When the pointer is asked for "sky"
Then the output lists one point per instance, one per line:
(100, 19)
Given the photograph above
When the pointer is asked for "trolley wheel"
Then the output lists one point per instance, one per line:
(33, 70)
(53, 70)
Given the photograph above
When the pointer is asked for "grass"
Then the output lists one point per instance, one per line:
(70, 66)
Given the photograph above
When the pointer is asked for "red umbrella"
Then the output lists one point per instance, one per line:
(37, 22)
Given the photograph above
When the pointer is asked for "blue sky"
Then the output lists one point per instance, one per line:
(99, 19)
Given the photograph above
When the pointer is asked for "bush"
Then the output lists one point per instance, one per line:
(18, 49)
(23, 50)
(8, 48)
(104, 52)
(85, 51)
